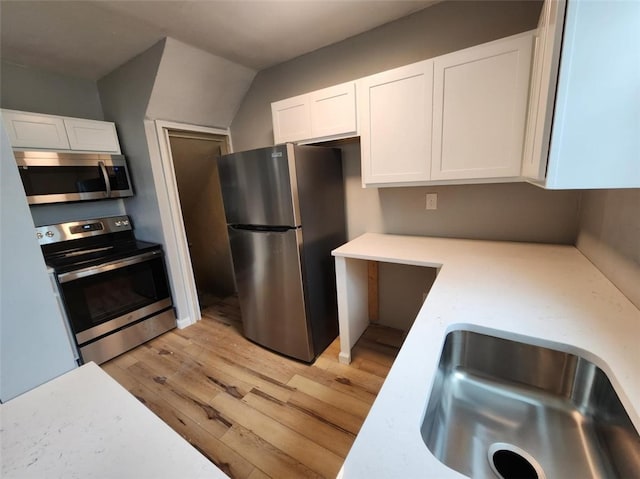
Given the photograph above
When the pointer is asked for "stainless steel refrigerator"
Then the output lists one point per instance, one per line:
(285, 213)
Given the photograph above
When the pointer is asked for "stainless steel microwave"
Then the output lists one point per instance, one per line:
(51, 177)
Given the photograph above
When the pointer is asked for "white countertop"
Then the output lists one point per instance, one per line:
(549, 295)
(85, 425)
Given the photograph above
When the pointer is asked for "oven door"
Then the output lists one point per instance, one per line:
(107, 297)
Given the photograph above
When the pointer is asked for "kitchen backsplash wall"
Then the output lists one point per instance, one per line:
(609, 235)
(61, 213)
(502, 211)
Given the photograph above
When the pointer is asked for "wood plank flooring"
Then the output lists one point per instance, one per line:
(254, 413)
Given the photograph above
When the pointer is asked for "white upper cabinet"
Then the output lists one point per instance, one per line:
(542, 92)
(51, 132)
(291, 119)
(91, 135)
(479, 110)
(324, 114)
(394, 109)
(454, 119)
(333, 111)
(32, 130)
(584, 121)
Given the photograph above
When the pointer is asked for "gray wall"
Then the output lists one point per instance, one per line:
(196, 87)
(410, 285)
(34, 346)
(443, 28)
(503, 211)
(609, 236)
(125, 94)
(30, 89)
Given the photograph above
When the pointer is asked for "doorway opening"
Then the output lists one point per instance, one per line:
(196, 172)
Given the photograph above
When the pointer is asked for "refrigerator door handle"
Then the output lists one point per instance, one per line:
(263, 229)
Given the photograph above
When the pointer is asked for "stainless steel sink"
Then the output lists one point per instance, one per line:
(506, 409)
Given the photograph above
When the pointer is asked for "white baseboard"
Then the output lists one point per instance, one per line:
(184, 322)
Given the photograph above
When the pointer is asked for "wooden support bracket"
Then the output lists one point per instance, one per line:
(372, 289)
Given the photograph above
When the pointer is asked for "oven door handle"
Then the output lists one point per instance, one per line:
(103, 268)
(105, 176)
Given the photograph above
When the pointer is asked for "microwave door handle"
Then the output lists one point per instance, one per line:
(105, 176)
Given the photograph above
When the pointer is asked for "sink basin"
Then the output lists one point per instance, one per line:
(505, 409)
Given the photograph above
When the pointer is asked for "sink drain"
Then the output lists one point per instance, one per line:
(511, 462)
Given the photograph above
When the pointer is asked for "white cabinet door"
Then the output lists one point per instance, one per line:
(333, 111)
(480, 106)
(37, 130)
(542, 91)
(291, 119)
(394, 110)
(92, 135)
(595, 137)
(583, 130)
(32, 130)
(324, 114)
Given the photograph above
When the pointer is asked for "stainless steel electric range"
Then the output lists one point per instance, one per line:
(114, 288)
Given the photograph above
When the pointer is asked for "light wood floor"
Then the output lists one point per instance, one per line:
(254, 413)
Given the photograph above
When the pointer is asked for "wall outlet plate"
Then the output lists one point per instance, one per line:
(432, 201)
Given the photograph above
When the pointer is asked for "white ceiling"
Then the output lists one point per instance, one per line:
(91, 38)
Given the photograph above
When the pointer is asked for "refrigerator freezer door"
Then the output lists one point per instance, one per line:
(257, 187)
(269, 282)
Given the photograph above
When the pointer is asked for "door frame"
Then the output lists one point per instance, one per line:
(178, 258)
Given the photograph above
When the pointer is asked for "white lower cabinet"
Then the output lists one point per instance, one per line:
(394, 109)
(479, 110)
(51, 132)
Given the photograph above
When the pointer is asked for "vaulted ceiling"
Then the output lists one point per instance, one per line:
(89, 39)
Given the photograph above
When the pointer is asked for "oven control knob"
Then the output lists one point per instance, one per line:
(39, 235)
(118, 223)
(49, 234)
(125, 222)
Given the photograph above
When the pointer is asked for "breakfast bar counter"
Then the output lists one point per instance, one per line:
(545, 295)
(83, 424)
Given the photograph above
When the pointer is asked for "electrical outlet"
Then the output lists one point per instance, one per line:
(432, 201)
